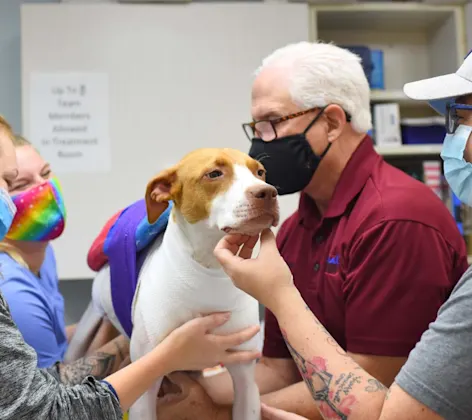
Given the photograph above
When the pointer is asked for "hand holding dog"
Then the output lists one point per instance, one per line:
(267, 278)
(194, 347)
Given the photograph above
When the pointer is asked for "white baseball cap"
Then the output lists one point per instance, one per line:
(439, 91)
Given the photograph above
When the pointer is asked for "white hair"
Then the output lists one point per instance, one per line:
(321, 74)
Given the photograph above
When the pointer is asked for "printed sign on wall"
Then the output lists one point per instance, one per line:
(69, 120)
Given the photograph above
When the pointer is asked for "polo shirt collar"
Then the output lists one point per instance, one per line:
(352, 180)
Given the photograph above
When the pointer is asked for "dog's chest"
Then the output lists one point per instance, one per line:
(172, 290)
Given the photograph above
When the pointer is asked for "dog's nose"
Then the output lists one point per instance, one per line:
(262, 192)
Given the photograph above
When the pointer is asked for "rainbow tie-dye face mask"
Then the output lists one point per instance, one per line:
(40, 215)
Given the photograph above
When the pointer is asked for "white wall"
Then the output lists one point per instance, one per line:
(179, 79)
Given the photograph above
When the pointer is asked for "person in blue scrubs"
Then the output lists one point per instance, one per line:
(28, 274)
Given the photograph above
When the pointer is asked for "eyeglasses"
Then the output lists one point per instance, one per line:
(266, 129)
(452, 119)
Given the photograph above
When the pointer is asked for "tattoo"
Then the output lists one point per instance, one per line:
(345, 384)
(321, 326)
(99, 365)
(120, 351)
(333, 403)
(331, 341)
(375, 386)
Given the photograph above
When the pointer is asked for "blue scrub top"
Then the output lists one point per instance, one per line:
(36, 305)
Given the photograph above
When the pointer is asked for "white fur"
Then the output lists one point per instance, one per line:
(321, 74)
(181, 279)
(232, 207)
(189, 289)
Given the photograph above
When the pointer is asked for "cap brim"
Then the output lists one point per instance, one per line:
(438, 91)
(441, 87)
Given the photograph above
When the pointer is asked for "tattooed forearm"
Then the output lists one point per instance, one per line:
(333, 397)
(375, 386)
(344, 384)
(330, 340)
(100, 364)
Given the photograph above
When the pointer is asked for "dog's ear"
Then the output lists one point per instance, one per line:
(159, 192)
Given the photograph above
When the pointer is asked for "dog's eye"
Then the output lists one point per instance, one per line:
(261, 172)
(214, 174)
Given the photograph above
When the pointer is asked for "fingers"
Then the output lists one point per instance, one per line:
(248, 247)
(240, 357)
(229, 251)
(271, 413)
(212, 321)
(268, 243)
(226, 250)
(268, 412)
(231, 243)
(235, 239)
(233, 340)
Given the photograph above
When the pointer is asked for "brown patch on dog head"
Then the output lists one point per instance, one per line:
(195, 181)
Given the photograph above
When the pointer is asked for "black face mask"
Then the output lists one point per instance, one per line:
(289, 161)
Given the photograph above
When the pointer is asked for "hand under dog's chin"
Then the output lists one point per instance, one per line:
(252, 227)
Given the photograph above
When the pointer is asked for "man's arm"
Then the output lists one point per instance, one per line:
(297, 398)
(106, 333)
(337, 384)
(278, 383)
(271, 375)
(100, 364)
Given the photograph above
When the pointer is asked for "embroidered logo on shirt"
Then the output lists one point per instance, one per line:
(332, 263)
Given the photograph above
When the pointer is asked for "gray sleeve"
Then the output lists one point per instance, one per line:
(27, 392)
(438, 372)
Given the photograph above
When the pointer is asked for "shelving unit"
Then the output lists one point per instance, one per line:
(418, 41)
(411, 150)
(397, 95)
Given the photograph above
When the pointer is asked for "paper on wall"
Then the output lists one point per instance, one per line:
(69, 120)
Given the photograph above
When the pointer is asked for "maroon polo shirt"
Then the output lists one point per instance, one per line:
(376, 267)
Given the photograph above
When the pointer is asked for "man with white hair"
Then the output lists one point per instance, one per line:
(373, 252)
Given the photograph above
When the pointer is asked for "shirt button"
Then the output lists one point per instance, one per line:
(319, 239)
(316, 267)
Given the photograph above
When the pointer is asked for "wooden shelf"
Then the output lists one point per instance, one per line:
(382, 16)
(418, 40)
(410, 150)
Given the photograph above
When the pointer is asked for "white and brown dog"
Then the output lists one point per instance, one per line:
(214, 191)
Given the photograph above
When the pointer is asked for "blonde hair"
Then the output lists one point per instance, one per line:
(13, 253)
(5, 126)
(18, 141)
